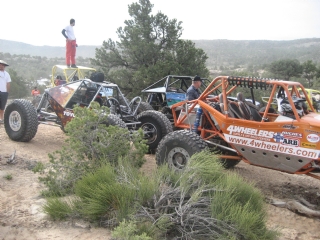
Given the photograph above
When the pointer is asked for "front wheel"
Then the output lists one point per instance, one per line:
(21, 120)
(177, 148)
(155, 126)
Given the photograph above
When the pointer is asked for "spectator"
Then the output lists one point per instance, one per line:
(5, 80)
(35, 92)
(59, 81)
(71, 44)
(193, 91)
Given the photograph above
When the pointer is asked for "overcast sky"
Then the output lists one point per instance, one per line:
(39, 22)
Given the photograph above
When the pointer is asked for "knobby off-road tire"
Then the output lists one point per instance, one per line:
(144, 106)
(21, 120)
(114, 120)
(177, 148)
(155, 126)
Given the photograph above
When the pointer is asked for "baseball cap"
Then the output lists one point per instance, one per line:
(197, 78)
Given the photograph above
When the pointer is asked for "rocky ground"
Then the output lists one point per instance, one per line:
(20, 200)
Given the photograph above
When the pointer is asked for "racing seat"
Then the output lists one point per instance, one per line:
(244, 108)
(233, 108)
(248, 109)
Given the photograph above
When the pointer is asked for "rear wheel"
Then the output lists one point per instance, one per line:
(144, 106)
(20, 120)
(177, 148)
(155, 126)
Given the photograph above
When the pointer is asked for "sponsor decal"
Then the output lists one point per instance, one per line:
(250, 133)
(292, 142)
(272, 146)
(292, 134)
(308, 145)
(283, 139)
(68, 114)
(313, 138)
(278, 137)
(289, 126)
(312, 131)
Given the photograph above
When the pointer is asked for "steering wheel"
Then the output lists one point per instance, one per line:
(114, 105)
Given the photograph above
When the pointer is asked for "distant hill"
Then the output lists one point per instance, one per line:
(220, 52)
(20, 48)
(258, 52)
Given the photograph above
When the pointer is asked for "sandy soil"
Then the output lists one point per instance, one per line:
(20, 200)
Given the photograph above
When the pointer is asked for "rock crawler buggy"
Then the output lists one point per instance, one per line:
(21, 119)
(169, 90)
(287, 140)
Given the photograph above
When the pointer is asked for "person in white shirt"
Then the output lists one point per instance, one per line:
(4, 88)
(280, 97)
(71, 44)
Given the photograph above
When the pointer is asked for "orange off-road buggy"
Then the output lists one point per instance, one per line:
(285, 139)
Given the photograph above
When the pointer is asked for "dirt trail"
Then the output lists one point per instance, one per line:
(20, 199)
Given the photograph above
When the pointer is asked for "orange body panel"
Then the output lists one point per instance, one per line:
(271, 139)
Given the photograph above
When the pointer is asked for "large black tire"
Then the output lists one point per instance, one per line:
(114, 120)
(177, 148)
(144, 106)
(21, 120)
(155, 126)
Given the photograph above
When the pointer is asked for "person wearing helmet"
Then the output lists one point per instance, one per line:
(280, 98)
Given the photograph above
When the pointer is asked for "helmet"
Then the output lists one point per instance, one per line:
(287, 110)
(286, 107)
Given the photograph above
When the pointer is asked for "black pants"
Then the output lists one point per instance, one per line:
(3, 100)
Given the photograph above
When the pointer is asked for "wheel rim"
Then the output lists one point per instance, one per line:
(150, 132)
(178, 158)
(15, 121)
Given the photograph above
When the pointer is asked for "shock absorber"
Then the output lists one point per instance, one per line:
(197, 121)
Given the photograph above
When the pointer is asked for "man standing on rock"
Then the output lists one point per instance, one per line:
(71, 44)
(4, 88)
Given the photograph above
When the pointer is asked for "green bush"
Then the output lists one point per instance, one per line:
(206, 202)
(129, 230)
(91, 144)
(58, 209)
(112, 193)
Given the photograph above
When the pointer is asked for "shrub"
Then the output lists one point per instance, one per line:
(206, 202)
(129, 230)
(112, 193)
(91, 144)
(58, 209)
